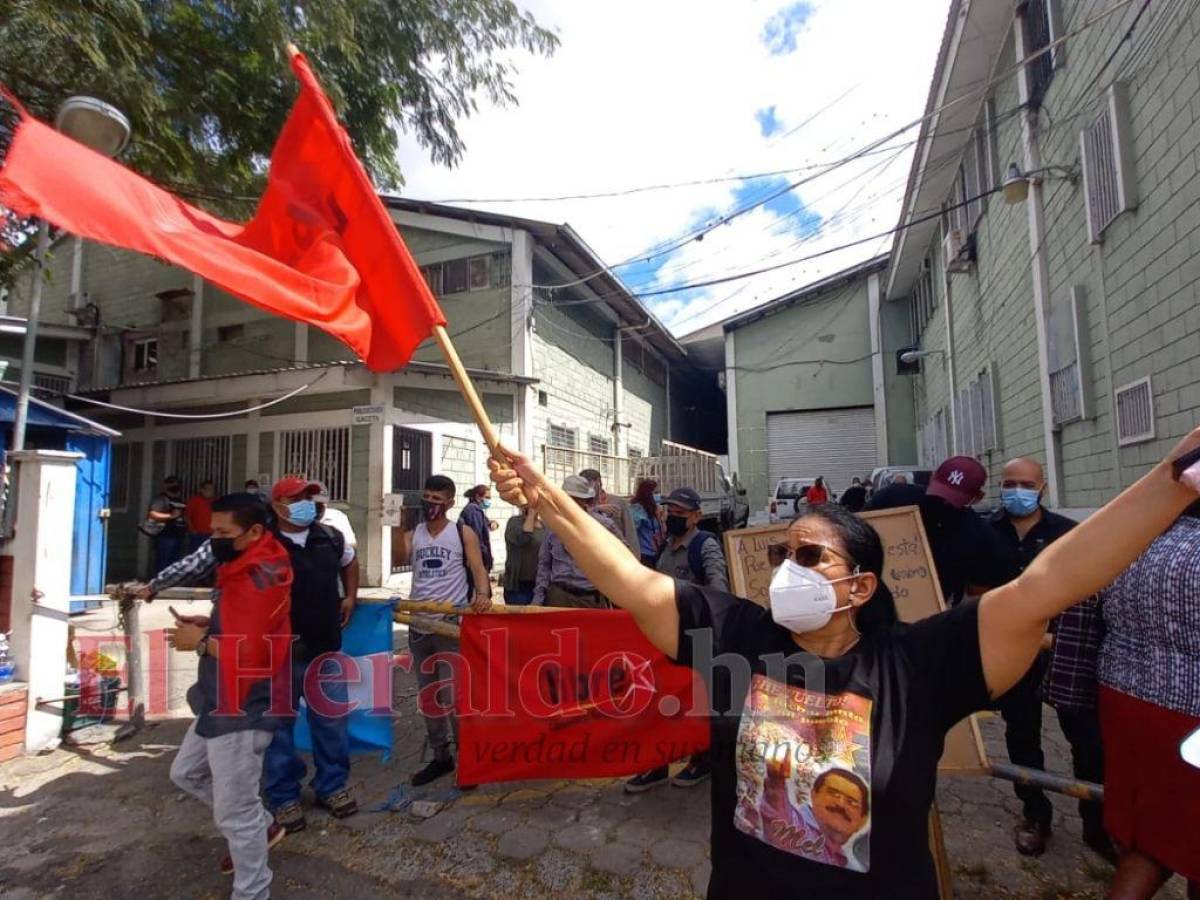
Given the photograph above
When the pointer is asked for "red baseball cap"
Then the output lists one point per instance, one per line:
(293, 486)
(957, 481)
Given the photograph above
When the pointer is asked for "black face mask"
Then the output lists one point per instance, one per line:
(677, 526)
(223, 550)
(431, 510)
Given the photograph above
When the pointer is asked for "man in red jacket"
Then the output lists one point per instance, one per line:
(241, 692)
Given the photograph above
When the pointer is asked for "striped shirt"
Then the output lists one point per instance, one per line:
(1151, 647)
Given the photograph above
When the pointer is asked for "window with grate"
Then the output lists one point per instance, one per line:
(319, 454)
(924, 300)
(635, 453)
(933, 440)
(479, 273)
(433, 278)
(1040, 26)
(196, 460)
(1108, 173)
(118, 479)
(55, 384)
(1135, 412)
(562, 437)
(598, 444)
(975, 416)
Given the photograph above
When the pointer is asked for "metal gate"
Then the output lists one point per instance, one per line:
(837, 444)
(412, 459)
(320, 454)
(196, 460)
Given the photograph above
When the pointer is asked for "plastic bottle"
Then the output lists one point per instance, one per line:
(7, 666)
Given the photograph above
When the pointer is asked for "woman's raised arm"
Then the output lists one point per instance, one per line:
(1013, 618)
(648, 595)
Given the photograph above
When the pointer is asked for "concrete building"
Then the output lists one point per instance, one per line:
(810, 383)
(1065, 325)
(563, 355)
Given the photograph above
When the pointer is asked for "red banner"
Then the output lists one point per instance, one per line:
(574, 694)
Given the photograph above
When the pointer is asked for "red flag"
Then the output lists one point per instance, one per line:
(320, 249)
(574, 694)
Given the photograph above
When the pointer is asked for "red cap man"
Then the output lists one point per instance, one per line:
(959, 481)
(294, 487)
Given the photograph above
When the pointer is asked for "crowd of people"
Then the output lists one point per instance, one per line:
(1098, 619)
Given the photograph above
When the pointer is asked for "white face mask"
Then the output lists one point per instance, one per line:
(803, 600)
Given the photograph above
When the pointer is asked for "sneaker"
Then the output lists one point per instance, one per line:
(692, 775)
(433, 771)
(340, 804)
(647, 780)
(291, 817)
(275, 834)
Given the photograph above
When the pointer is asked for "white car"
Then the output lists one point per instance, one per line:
(789, 494)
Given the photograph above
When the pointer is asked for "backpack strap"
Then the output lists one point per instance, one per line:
(696, 555)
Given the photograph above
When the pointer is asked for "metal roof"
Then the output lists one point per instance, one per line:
(574, 252)
(809, 292)
(46, 415)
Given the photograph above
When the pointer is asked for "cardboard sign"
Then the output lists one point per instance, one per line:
(908, 571)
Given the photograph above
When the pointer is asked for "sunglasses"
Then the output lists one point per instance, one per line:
(809, 555)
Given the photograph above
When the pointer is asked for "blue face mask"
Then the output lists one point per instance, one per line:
(1020, 502)
(658, 498)
(486, 504)
(302, 513)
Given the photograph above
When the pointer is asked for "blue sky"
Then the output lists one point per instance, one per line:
(739, 90)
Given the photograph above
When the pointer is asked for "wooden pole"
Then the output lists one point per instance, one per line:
(431, 625)
(467, 388)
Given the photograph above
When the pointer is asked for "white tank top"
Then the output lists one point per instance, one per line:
(439, 566)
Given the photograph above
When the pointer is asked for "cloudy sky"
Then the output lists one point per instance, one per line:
(747, 97)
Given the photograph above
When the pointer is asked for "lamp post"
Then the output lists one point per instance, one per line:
(105, 129)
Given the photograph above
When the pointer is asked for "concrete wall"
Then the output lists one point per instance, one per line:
(1142, 282)
(811, 355)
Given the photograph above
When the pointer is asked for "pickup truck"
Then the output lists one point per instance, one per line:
(722, 498)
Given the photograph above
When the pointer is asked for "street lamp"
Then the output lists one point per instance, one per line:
(103, 128)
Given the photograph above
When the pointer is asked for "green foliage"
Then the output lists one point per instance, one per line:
(206, 85)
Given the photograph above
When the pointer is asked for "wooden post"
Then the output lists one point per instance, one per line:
(941, 862)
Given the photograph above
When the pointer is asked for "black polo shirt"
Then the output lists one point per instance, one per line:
(1020, 552)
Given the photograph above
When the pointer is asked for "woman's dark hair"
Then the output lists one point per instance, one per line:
(862, 544)
(476, 492)
(820, 482)
(644, 496)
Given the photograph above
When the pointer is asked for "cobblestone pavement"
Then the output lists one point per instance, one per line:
(103, 821)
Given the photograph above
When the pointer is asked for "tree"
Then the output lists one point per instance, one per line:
(206, 86)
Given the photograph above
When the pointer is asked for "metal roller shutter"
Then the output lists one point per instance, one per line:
(835, 443)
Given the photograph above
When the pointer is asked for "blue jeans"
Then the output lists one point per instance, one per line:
(168, 548)
(283, 768)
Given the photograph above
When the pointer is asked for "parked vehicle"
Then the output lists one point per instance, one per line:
(885, 475)
(789, 494)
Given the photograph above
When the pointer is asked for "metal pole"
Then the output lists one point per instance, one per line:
(31, 323)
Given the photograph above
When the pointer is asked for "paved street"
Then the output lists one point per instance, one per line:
(98, 821)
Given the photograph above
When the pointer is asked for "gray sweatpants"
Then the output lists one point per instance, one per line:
(224, 773)
(439, 726)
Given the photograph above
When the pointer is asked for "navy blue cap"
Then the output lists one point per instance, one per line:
(684, 497)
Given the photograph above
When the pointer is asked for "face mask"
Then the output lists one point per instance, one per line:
(658, 498)
(223, 550)
(1020, 502)
(803, 600)
(486, 504)
(302, 513)
(431, 509)
(677, 526)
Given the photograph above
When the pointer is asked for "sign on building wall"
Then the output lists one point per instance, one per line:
(367, 415)
(908, 571)
(393, 509)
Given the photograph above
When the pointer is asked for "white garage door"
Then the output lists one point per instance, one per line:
(836, 443)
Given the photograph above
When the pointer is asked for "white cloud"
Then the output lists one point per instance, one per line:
(643, 93)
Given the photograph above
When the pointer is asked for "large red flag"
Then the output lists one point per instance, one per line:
(572, 694)
(320, 249)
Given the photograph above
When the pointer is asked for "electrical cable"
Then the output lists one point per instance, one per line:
(229, 414)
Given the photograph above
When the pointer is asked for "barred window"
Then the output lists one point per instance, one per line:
(118, 479)
(598, 444)
(196, 460)
(319, 454)
(561, 436)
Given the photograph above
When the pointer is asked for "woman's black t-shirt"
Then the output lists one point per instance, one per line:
(824, 769)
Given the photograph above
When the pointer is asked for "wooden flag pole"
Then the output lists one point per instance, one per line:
(467, 388)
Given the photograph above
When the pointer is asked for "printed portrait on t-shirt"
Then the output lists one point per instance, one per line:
(804, 773)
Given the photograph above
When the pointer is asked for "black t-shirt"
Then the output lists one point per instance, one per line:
(1021, 551)
(824, 789)
(965, 549)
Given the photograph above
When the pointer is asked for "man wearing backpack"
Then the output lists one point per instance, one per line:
(695, 556)
(447, 566)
